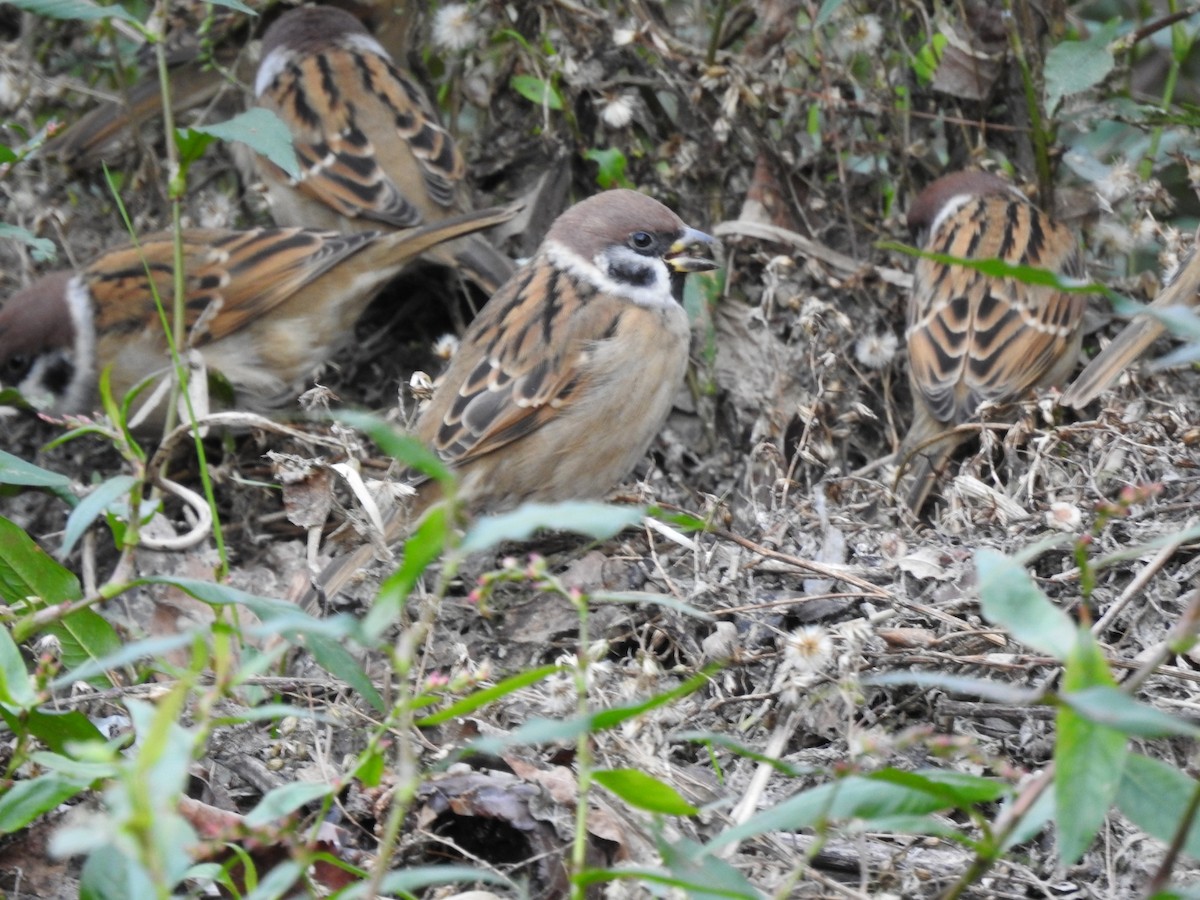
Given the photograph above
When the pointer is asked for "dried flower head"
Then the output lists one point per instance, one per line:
(445, 346)
(861, 35)
(454, 28)
(1063, 516)
(616, 110)
(1117, 184)
(876, 350)
(808, 649)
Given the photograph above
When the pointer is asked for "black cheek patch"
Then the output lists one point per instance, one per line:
(631, 273)
(58, 373)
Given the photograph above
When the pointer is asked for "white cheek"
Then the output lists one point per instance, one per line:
(655, 294)
(270, 69)
(83, 319)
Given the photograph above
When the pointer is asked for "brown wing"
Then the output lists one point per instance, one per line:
(973, 337)
(507, 378)
(232, 277)
(368, 144)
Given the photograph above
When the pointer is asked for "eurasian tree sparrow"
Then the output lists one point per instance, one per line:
(264, 308)
(568, 372)
(372, 153)
(974, 337)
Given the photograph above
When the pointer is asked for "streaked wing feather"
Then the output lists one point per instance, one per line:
(341, 161)
(509, 381)
(974, 338)
(216, 262)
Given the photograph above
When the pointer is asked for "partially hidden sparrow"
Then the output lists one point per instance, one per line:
(372, 153)
(264, 308)
(568, 372)
(974, 337)
(206, 58)
(1135, 338)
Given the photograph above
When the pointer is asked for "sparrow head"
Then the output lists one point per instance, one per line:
(39, 344)
(307, 30)
(630, 245)
(947, 194)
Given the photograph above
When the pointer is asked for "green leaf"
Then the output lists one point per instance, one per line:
(725, 741)
(14, 470)
(85, 635)
(236, 5)
(422, 548)
(886, 793)
(27, 571)
(487, 695)
(276, 882)
(541, 731)
(26, 800)
(706, 875)
(537, 91)
(1089, 758)
(825, 13)
(93, 506)
(191, 144)
(54, 729)
(109, 874)
(644, 792)
(413, 879)
(81, 10)
(280, 802)
(16, 689)
(1010, 599)
(1031, 823)
(263, 132)
(612, 163)
(596, 520)
(1074, 66)
(925, 63)
(41, 249)
(1155, 796)
(127, 654)
(1113, 708)
(319, 636)
(706, 888)
(998, 268)
(401, 447)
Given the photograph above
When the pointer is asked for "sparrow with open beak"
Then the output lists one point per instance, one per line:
(974, 337)
(568, 372)
(371, 151)
(264, 308)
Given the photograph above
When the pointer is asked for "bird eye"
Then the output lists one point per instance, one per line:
(640, 240)
(16, 366)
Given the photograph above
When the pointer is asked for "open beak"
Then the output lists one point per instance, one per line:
(682, 258)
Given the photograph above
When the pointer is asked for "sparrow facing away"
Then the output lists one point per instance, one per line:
(264, 308)
(568, 372)
(973, 337)
(1135, 338)
(371, 151)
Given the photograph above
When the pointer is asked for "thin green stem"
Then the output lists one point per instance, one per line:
(583, 750)
(1180, 49)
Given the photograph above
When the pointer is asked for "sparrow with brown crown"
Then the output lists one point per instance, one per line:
(569, 371)
(371, 151)
(264, 308)
(974, 337)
